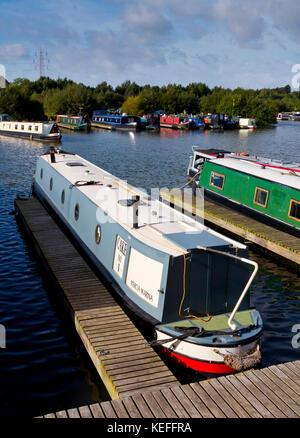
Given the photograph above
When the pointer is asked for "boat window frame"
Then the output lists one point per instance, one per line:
(290, 207)
(219, 174)
(267, 199)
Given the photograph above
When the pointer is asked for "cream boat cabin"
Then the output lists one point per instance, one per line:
(31, 130)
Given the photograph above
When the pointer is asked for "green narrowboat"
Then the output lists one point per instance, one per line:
(268, 188)
(76, 123)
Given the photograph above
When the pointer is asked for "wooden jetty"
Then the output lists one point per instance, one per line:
(272, 392)
(283, 244)
(120, 353)
(138, 381)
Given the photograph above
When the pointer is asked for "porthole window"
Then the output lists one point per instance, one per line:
(51, 183)
(98, 234)
(63, 197)
(76, 212)
(41, 173)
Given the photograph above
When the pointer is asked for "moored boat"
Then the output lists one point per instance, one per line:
(103, 119)
(76, 123)
(174, 122)
(196, 122)
(247, 123)
(30, 130)
(264, 187)
(186, 280)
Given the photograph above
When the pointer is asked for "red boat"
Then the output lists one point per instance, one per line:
(175, 122)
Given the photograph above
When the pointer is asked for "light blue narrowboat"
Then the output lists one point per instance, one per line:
(186, 280)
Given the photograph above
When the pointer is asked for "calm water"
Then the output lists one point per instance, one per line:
(43, 367)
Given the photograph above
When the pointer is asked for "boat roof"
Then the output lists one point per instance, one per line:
(279, 171)
(160, 226)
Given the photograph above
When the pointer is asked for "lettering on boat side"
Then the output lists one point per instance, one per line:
(119, 257)
(144, 277)
(160, 427)
(296, 337)
(2, 336)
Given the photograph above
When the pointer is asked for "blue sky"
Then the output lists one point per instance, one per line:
(229, 43)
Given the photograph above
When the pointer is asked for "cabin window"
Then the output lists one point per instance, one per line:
(261, 197)
(16, 126)
(29, 128)
(217, 180)
(294, 211)
(41, 173)
(51, 184)
(22, 127)
(76, 212)
(98, 234)
(36, 128)
(63, 197)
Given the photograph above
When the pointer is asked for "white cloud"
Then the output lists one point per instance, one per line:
(12, 52)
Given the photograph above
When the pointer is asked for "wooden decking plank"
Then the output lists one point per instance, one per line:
(131, 408)
(153, 405)
(73, 413)
(164, 404)
(142, 406)
(139, 371)
(293, 368)
(119, 408)
(97, 411)
(268, 404)
(197, 401)
(239, 397)
(207, 401)
(285, 379)
(146, 383)
(185, 402)
(85, 412)
(50, 415)
(293, 378)
(262, 385)
(61, 414)
(108, 410)
(121, 344)
(150, 359)
(249, 396)
(282, 391)
(218, 399)
(128, 333)
(143, 390)
(228, 398)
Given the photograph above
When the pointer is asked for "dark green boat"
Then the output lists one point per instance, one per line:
(76, 123)
(268, 188)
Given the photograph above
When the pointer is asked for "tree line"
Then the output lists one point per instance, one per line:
(42, 99)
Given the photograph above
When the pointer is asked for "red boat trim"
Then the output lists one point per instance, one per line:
(199, 365)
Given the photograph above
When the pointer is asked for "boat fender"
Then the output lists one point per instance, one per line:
(242, 361)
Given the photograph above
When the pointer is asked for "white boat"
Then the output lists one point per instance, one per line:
(247, 123)
(188, 281)
(31, 130)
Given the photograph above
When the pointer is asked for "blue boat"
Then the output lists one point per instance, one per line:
(103, 119)
(196, 122)
(186, 280)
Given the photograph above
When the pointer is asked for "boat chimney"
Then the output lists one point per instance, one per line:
(52, 154)
(135, 211)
